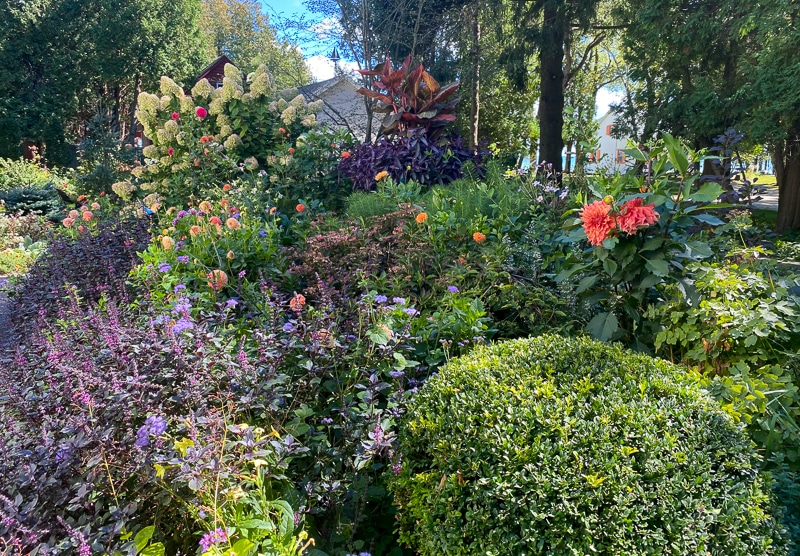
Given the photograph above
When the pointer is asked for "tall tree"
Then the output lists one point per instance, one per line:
(241, 30)
(544, 26)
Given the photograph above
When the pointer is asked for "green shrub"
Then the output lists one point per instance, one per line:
(570, 447)
(22, 173)
(362, 205)
(43, 201)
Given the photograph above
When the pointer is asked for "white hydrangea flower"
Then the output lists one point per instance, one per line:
(182, 138)
(165, 160)
(309, 121)
(261, 85)
(152, 199)
(225, 130)
(272, 159)
(216, 107)
(316, 106)
(138, 172)
(167, 85)
(187, 104)
(163, 136)
(232, 72)
(282, 104)
(171, 126)
(273, 106)
(231, 89)
(148, 103)
(202, 89)
(223, 120)
(288, 116)
(298, 102)
(247, 98)
(164, 102)
(150, 151)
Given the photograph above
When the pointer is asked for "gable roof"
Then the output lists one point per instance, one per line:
(215, 69)
(315, 90)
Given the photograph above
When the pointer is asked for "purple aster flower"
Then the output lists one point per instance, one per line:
(213, 537)
(397, 374)
(182, 325)
(183, 259)
(288, 327)
(410, 311)
(179, 287)
(262, 233)
(231, 303)
(164, 267)
(326, 421)
(381, 298)
(452, 289)
(399, 300)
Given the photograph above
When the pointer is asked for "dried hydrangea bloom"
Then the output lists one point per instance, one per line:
(152, 199)
(202, 89)
(124, 189)
(232, 142)
(298, 102)
(288, 116)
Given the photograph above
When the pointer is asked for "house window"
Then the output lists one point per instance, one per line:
(218, 85)
(608, 129)
(620, 156)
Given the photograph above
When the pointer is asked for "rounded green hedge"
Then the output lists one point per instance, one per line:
(572, 447)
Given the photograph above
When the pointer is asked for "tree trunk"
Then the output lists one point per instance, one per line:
(474, 116)
(786, 157)
(551, 102)
(568, 165)
(133, 123)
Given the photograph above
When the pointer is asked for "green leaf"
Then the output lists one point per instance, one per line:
(709, 219)
(657, 267)
(143, 537)
(242, 547)
(708, 192)
(603, 326)
(610, 267)
(155, 549)
(586, 283)
(676, 154)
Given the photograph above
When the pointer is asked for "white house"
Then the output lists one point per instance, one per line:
(609, 155)
(342, 107)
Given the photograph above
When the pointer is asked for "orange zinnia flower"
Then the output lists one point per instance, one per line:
(194, 230)
(297, 302)
(633, 215)
(217, 279)
(346, 154)
(224, 203)
(479, 237)
(421, 217)
(232, 223)
(597, 222)
(300, 207)
(87, 215)
(380, 175)
(167, 243)
(226, 187)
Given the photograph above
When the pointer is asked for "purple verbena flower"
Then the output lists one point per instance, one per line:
(452, 289)
(213, 537)
(164, 267)
(381, 298)
(399, 300)
(179, 287)
(410, 311)
(397, 374)
(182, 325)
(183, 259)
(231, 303)
(288, 327)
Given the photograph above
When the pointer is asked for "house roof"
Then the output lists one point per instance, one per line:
(315, 90)
(215, 68)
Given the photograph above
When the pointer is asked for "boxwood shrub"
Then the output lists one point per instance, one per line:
(572, 447)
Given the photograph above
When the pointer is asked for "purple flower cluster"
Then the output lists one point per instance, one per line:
(183, 259)
(155, 425)
(452, 289)
(213, 537)
(164, 267)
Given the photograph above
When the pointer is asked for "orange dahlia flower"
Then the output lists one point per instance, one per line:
(233, 224)
(300, 207)
(167, 243)
(205, 206)
(380, 175)
(597, 221)
(215, 221)
(633, 215)
(194, 230)
(297, 302)
(479, 237)
(421, 217)
(217, 279)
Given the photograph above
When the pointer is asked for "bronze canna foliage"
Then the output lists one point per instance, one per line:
(411, 99)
